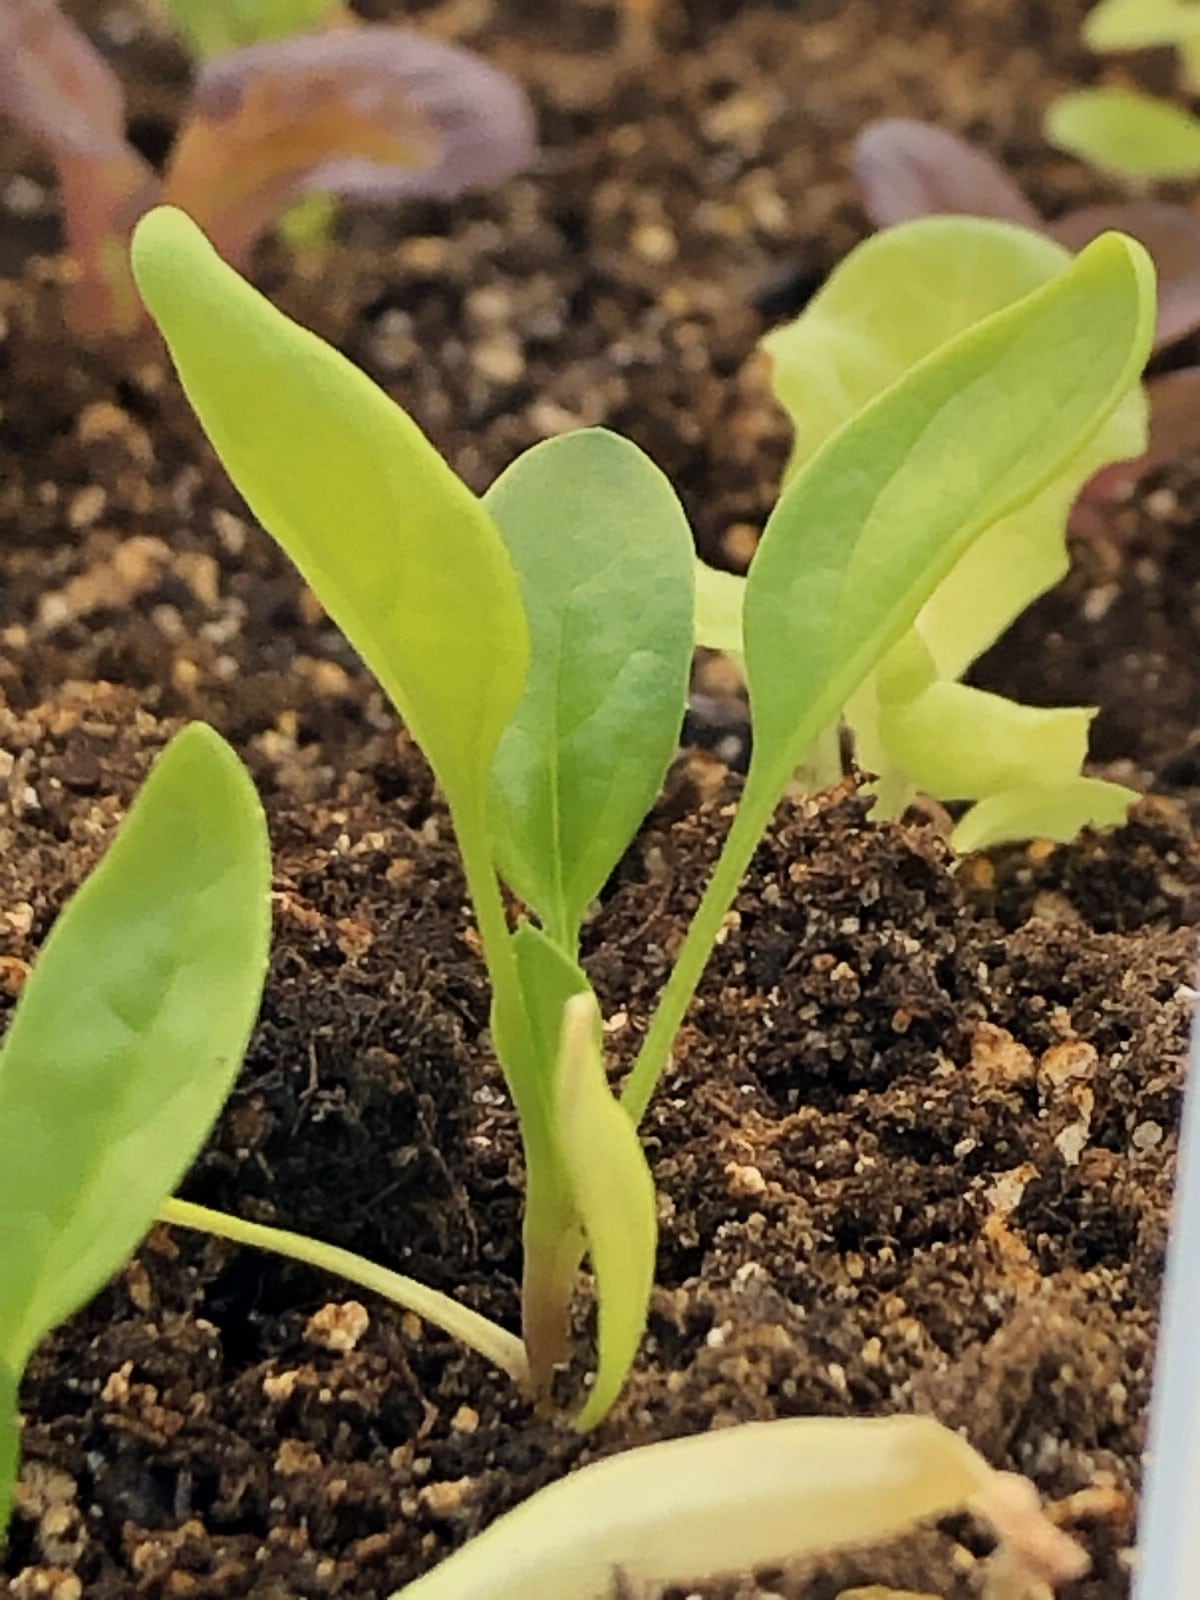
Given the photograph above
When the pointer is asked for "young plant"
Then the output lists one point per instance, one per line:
(537, 644)
(214, 27)
(370, 113)
(1124, 131)
(908, 169)
(125, 1043)
(892, 302)
(756, 1495)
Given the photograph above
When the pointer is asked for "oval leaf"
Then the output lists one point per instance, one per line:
(129, 1033)
(614, 1198)
(604, 557)
(1140, 24)
(874, 522)
(399, 551)
(728, 1501)
(1120, 130)
(213, 26)
(907, 169)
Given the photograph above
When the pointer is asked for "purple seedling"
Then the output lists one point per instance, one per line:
(907, 169)
(370, 113)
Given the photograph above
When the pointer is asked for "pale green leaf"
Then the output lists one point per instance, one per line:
(869, 527)
(604, 557)
(1033, 813)
(400, 552)
(1124, 131)
(129, 1033)
(724, 1502)
(892, 302)
(962, 743)
(719, 600)
(614, 1196)
(1140, 24)
(212, 27)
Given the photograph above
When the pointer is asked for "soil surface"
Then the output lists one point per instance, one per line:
(917, 1147)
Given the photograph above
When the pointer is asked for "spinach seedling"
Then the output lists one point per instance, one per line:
(537, 643)
(372, 113)
(908, 169)
(888, 306)
(125, 1041)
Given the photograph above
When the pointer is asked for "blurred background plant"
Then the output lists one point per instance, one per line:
(372, 113)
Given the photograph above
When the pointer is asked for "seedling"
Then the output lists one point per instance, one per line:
(124, 1043)
(908, 169)
(1123, 131)
(537, 643)
(370, 113)
(888, 306)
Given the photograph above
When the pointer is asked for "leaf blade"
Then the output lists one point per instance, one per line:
(401, 553)
(604, 556)
(95, 1126)
(878, 517)
(1123, 131)
(614, 1196)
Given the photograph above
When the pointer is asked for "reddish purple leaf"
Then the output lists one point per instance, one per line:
(1172, 236)
(60, 91)
(908, 169)
(374, 113)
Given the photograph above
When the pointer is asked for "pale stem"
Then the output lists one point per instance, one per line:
(494, 1343)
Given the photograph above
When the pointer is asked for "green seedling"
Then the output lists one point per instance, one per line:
(893, 303)
(537, 643)
(125, 1042)
(747, 1497)
(1117, 25)
(212, 27)
(1124, 131)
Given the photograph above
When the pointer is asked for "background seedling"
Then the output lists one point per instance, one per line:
(908, 169)
(543, 758)
(915, 726)
(373, 113)
(125, 1042)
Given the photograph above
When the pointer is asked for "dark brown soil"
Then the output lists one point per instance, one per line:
(917, 1149)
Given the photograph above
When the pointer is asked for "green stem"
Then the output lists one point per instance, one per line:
(753, 814)
(494, 1343)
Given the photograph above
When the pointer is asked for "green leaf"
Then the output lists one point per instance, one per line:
(10, 1438)
(399, 551)
(872, 524)
(893, 302)
(1123, 131)
(129, 1033)
(962, 743)
(1140, 24)
(719, 599)
(212, 27)
(614, 1196)
(604, 557)
(1033, 813)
